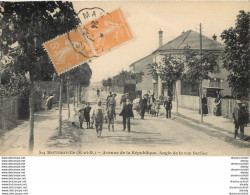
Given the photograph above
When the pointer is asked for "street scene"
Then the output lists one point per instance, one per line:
(183, 95)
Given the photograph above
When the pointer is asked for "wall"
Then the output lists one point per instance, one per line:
(8, 112)
(192, 103)
(141, 66)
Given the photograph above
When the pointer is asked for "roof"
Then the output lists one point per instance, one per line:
(192, 39)
(146, 59)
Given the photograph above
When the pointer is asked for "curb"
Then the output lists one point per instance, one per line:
(207, 129)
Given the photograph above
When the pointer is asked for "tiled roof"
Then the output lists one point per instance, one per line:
(192, 39)
(147, 59)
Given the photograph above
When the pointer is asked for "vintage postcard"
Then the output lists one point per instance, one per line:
(153, 78)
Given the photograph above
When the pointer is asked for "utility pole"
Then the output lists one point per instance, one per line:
(201, 78)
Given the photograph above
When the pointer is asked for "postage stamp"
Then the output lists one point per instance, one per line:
(88, 41)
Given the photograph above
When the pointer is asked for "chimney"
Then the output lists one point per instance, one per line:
(160, 37)
(214, 37)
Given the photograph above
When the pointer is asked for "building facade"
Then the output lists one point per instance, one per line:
(177, 47)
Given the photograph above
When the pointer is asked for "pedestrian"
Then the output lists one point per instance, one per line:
(74, 117)
(98, 113)
(98, 92)
(143, 106)
(168, 107)
(108, 99)
(49, 101)
(123, 100)
(204, 105)
(239, 116)
(153, 98)
(149, 105)
(157, 107)
(217, 105)
(246, 113)
(111, 116)
(126, 113)
(81, 117)
(87, 110)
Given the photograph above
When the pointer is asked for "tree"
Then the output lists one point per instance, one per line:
(26, 25)
(153, 70)
(123, 76)
(80, 77)
(198, 67)
(236, 59)
(171, 71)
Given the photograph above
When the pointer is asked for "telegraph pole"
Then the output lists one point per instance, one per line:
(201, 111)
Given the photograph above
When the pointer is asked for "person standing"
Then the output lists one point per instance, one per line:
(168, 107)
(143, 106)
(98, 114)
(108, 99)
(126, 113)
(111, 116)
(157, 107)
(81, 117)
(98, 92)
(204, 105)
(239, 119)
(49, 101)
(74, 117)
(246, 113)
(123, 100)
(217, 105)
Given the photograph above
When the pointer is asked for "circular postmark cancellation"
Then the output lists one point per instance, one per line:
(87, 15)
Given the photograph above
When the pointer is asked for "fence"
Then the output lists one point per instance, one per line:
(8, 112)
(192, 103)
(11, 109)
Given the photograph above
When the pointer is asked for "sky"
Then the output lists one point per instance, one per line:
(147, 18)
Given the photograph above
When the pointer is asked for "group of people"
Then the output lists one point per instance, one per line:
(240, 113)
(82, 115)
(150, 105)
(99, 113)
(217, 105)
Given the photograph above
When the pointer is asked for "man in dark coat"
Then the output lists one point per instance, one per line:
(126, 113)
(168, 107)
(143, 106)
(204, 105)
(86, 112)
(239, 117)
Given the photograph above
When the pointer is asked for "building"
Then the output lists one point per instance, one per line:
(176, 47)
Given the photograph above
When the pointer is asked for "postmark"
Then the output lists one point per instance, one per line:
(89, 40)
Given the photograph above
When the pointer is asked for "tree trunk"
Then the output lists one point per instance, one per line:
(74, 92)
(68, 98)
(176, 97)
(31, 107)
(60, 107)
(80, 93)
(77, 95)
(201, 101)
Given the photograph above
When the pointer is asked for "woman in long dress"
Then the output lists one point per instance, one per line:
(204, 105)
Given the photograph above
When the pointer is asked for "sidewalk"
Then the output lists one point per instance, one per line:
(217, 126)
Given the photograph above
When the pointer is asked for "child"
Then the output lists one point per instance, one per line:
(87, 115)
(74, 117)
(81, 117)
(98, 113)
(157, 107)
(111, 116)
